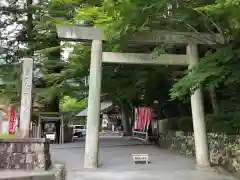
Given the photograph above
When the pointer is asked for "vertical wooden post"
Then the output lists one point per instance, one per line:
(60, 134)
(63, 136)
(1, 120)
(39, 127)
(26, 97)
(201, 145)
(93, 114)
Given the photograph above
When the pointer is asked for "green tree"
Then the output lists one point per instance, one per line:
(69, 104)
(131, 85)
(218, 66)
(38, 38)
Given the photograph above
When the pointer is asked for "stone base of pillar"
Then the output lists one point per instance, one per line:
(206, 168)
(25, 154)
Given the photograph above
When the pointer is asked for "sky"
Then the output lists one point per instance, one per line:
(7, 32)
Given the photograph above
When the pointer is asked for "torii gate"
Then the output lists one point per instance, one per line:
(72, 33)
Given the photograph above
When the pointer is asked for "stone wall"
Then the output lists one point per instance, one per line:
(25, 154)
(224, 149)
(110, 133)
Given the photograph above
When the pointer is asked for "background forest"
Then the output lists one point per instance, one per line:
(28, 29)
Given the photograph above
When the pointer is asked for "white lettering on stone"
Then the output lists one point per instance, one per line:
(26, 98)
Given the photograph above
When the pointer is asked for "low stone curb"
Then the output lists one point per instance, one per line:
(56, 172)
(110, 136)
(31, 176)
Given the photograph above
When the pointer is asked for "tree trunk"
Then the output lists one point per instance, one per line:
(29, 25)
(213, 97)
(52, 106)
(125, 110)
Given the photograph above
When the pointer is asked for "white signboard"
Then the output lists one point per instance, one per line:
(140, 158)
(50, 137)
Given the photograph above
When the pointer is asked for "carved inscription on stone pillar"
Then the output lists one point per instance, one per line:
(26, 98)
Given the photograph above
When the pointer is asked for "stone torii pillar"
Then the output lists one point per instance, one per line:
(93, 114)
(200, 136)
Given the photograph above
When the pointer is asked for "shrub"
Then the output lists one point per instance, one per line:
(7, 136)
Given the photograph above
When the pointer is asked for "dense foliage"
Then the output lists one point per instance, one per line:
(164, 88)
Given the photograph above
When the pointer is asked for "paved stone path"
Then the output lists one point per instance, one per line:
(116, 162)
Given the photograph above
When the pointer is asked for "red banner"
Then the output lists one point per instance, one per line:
(143, 118)
(12, 121)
